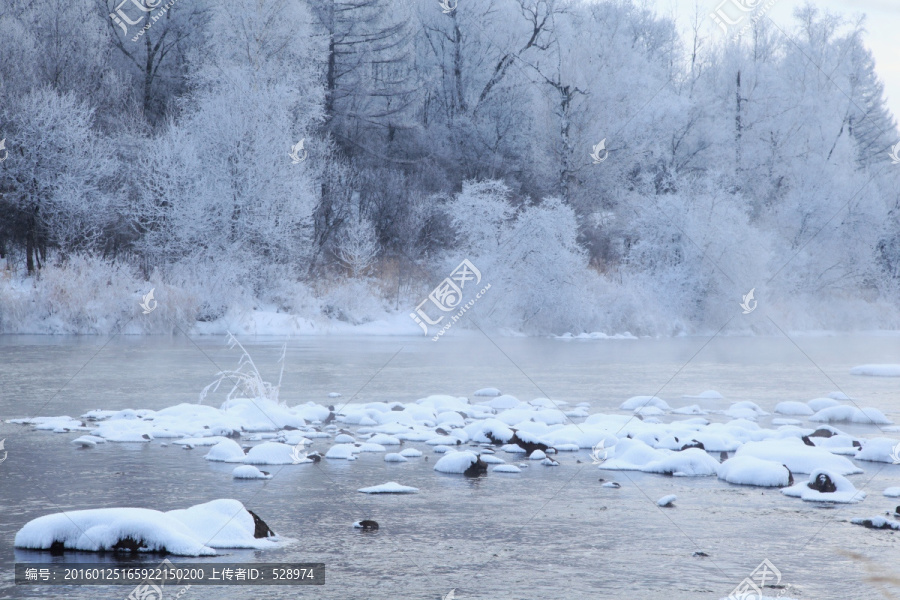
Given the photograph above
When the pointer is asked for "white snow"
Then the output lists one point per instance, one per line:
(845, 492)
(341, 451)
(226, 451)
(391, 487)
(892, 492)
(747, 470)
(879, 449)
(850, 414)
(797, 456)
(642, 401)
(371, 447)
(878, 522)
(692, 462)
(343, 438)
(492, 460)
(818, 404)
(384, 440)
(270, 453)
(538, 455)
(455, 462)
(411, 453)
(708, 394)
(667, 500)
(395, 457)
(88, 441)
(489, 391)
(889, 370)
(249, 472)
(794, 409)
(196, 531)
(506, 469)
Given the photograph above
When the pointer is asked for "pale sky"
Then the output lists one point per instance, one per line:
(882, 24)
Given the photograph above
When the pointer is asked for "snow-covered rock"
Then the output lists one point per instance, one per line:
(341, 451)
(692, 462)
(249, 472)
(506, 469)
(456, 462)
(395, 457)
(637, 402)
(226, 451)
(391, 487)
(195, 531)
(794, 409)
(844, 492)
(850, 414)
(747, 470)
(667, 500)
(797, 456)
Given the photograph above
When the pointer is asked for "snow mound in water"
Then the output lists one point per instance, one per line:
(411, 453)
(395, 457)
(879, 450)
(747, 470)
(270, 453)
(249, 472)
(226, 451)
(797, 456)
(892, 492)
(642, 401)
(456, 462)
(506, 469)
(876, 370)
(692, 462)
(818, 404)
(794, 409)
(489, 391)
(845, 492)
(708, 394)
(391, 487)
(851, 414)
(341, 451)
(195, 531)
(667, 500)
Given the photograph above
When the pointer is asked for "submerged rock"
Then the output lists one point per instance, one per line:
(366, 525)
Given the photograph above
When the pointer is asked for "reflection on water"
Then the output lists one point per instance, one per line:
(545, 533)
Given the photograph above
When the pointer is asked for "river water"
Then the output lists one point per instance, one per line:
(546, 533)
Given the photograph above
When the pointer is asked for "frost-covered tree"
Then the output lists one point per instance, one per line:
(54, 178)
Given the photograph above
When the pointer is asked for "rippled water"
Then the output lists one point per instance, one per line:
(546, 533)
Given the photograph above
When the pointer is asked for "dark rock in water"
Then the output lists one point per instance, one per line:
(476, 469)
(887, 524)
(823, 484)
(857, 445)
(426, 459)
(693, 444)
(289, 428)
(529, 447)
(264, 472)
(315, 457)
(235, 435)
(330, 416)
(397, 408)
(790, 475)
(579, 462)
(260, 529)
(700, 554)
(441, 431)
(57, 548)
(823, 433)
(723, 456)
(367, 525)
(807, 441)
(146, 437)
(495, 441)
(676, 438)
